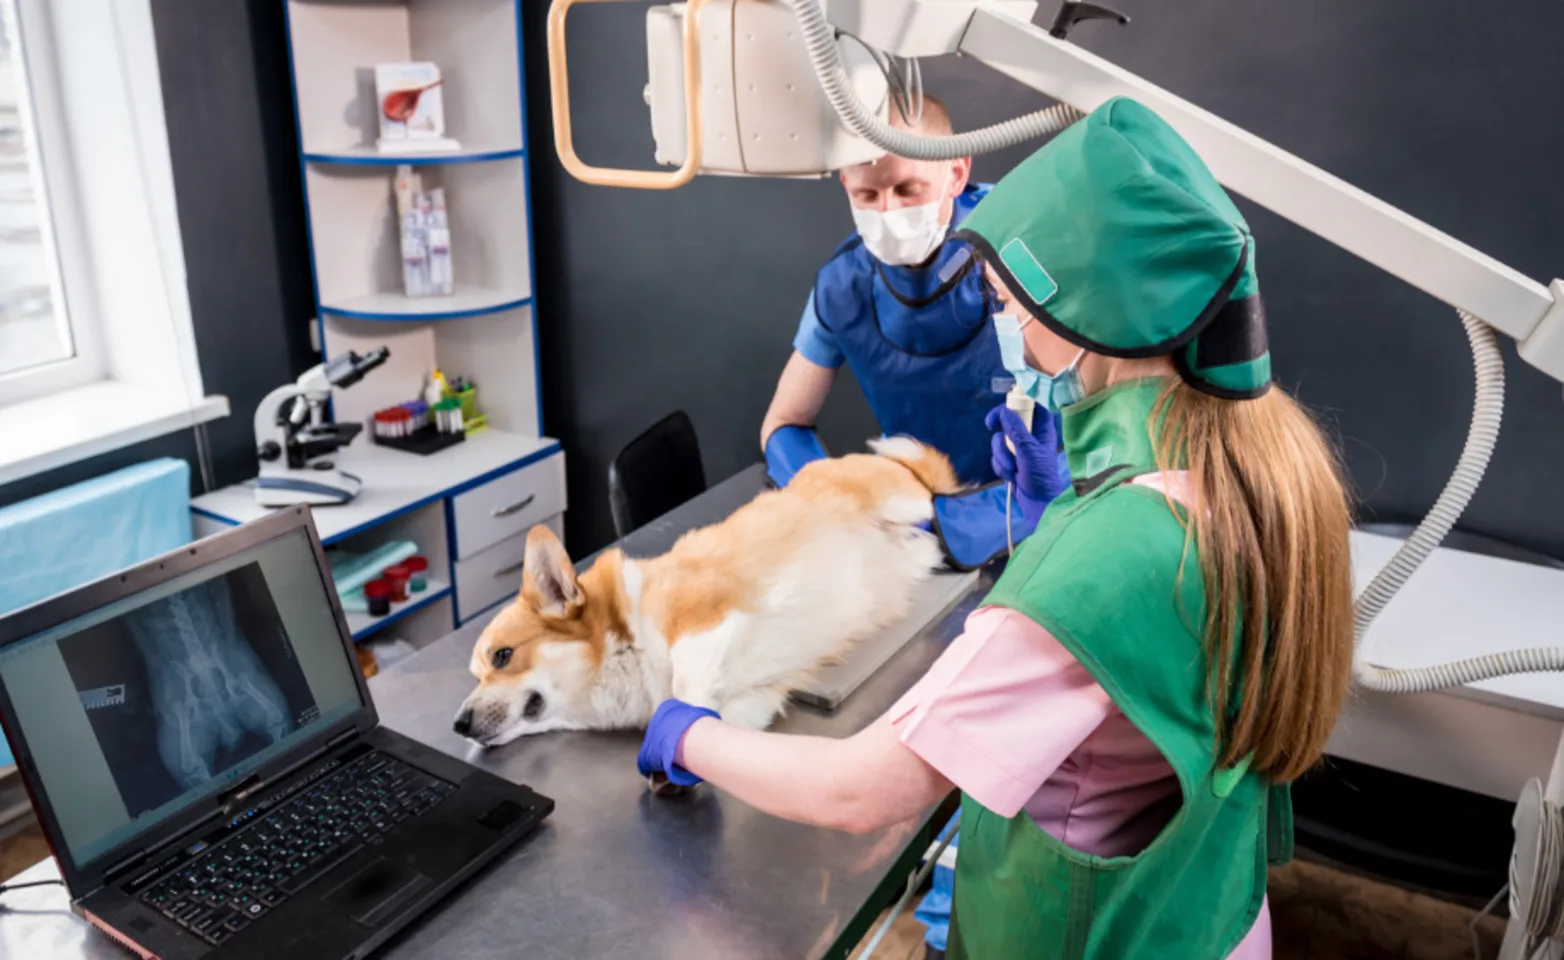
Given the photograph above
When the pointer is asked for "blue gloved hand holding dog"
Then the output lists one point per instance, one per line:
(660, 747)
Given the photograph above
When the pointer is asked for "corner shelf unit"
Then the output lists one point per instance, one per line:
(487, 330)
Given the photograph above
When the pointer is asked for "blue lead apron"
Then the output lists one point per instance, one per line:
(920, 342)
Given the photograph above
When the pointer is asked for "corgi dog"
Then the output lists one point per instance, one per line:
(733, 618)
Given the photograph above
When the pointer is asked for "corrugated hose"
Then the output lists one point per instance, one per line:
(820, 39)
(1487, 409)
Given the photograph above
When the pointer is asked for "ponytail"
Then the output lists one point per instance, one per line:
(1268, 518)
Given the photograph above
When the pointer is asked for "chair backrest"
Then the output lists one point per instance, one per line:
(655, 472)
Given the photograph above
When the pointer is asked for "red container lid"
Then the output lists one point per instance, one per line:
(397, 572)
(377, 588)
(416, 564)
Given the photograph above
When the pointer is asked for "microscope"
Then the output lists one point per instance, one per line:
(293, 438)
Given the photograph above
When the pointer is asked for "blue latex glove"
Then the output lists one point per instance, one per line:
(660, 747)
(788, 449)
(1034, 467)
(971, 526)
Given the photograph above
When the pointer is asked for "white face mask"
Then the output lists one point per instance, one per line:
(901, 238)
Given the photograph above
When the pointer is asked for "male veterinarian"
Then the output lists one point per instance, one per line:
(908, 309)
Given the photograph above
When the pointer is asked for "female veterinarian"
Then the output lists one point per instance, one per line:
(1170, 647)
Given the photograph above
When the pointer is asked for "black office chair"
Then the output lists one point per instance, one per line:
(655, 472)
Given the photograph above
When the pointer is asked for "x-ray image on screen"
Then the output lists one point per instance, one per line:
(184, 688)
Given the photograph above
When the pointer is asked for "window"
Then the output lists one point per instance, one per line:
(34, 329)
(97, 349)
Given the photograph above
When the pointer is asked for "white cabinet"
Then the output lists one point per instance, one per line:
(460, 506)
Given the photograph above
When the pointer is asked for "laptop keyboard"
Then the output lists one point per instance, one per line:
(240, 879)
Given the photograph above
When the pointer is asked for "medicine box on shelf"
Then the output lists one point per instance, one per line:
(355, 237)
(336, 45)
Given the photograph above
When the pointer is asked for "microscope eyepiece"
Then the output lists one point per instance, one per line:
(348, 369)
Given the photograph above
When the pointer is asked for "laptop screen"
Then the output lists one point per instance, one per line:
(142, 707)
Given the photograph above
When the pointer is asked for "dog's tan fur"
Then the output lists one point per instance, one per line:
(608, 643)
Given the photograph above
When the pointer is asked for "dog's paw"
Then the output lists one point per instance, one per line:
(661, 786)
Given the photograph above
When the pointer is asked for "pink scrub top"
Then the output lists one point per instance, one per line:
(1015, 722)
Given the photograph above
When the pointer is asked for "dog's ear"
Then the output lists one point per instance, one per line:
(548, 581)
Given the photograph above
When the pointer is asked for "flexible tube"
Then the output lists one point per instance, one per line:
(1010, 537)
(820, 39)
(1487, 409)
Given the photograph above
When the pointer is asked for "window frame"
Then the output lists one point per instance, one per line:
(54, 175)
(95, 85)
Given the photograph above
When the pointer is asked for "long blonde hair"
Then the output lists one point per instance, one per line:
(1268, 518)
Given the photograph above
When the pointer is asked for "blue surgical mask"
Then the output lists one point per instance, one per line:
(1052, 392)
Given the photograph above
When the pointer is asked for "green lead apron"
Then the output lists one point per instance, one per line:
(1102, 573)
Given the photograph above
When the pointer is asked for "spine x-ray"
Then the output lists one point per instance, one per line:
(208, 687)
(184, 688)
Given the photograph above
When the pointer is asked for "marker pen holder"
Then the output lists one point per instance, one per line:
(469, 400)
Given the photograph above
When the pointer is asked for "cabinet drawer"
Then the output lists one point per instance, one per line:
(508, 505)
(495, 573)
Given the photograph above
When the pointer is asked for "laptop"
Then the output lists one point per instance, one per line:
(203, 754)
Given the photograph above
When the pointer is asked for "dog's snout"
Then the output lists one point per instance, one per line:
(463, 723)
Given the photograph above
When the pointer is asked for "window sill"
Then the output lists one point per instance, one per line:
(85, 421)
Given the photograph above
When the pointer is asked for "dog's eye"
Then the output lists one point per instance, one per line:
(534, 707)
(500, 658)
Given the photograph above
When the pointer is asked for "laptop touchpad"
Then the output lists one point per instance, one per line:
(373, 893)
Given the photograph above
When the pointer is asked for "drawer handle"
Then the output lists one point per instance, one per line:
(513, 508)
(511, 570)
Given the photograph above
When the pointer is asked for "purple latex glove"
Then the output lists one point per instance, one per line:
(660, 749)
(1034, 467)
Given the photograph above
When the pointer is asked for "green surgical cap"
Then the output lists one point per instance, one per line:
(1116, 236)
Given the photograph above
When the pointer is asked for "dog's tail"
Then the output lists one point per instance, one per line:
(931, 467)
